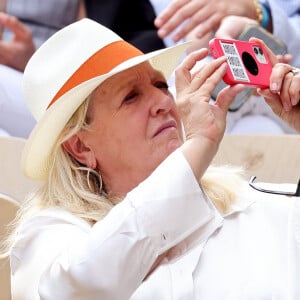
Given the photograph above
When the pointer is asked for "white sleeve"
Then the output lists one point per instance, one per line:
(110, 260)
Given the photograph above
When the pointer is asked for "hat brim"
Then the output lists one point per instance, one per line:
(36, 154)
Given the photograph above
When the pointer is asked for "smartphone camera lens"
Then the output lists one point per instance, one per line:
(258, 50)
(250, 63)
(259, 54)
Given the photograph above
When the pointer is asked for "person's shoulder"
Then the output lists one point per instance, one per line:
(269, 202)
(54, 216)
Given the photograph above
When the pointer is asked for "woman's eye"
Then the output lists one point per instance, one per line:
(130, 97)
(162, 85)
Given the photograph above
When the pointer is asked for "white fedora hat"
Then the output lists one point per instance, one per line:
(65, 70)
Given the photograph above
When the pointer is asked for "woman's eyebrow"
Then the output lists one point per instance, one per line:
(126, 84)
(156, 75)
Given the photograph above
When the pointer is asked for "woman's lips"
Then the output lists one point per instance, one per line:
(167, 125)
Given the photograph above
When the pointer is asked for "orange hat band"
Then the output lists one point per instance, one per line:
(98, 64)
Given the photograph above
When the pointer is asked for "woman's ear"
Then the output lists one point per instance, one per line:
(82, 153)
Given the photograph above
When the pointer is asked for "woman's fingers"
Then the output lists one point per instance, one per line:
(285, 81)
(273, 100)
(278, 74)
(227, 95)
(179, 16)
(290, 115)
(183, 75)
(210, 74)
(294, 91)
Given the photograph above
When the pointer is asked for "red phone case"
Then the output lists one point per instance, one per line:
(248, 62)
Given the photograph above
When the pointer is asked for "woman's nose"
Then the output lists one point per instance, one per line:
(161, 102)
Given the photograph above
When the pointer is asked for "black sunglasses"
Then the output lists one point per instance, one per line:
(285, 193)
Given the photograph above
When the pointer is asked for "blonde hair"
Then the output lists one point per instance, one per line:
(71, 188)
(222, 184)
(68, 186)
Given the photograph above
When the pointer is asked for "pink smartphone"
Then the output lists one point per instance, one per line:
(248, 62)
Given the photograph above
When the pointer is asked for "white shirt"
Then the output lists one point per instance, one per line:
(250, 253)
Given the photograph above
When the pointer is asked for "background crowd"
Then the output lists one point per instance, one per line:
(151, 25)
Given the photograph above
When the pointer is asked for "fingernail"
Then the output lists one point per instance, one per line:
(294, 101)
(176, 38)
(157, 22)
(274, 87)
(199, 34)
(286, 106)
(161, 32)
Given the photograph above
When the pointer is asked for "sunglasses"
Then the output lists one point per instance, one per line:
(276, 192)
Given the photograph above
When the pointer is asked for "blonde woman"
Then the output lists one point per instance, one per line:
(130, 208)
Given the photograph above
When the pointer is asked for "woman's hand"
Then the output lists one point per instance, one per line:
(283, 94)
(204, 122)
(17, 52)
(232, 26)
(184, 16)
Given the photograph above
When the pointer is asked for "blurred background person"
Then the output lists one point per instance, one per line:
(25, 26)
(200, 20)
(133, 20)
(178, 18)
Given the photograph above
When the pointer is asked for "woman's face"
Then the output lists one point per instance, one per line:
(134, 127)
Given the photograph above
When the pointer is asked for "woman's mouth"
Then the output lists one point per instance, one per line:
(170, 125)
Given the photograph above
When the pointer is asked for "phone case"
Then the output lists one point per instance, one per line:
(248, 62)
(274, 43)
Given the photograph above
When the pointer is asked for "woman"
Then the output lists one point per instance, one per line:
(122, 213)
